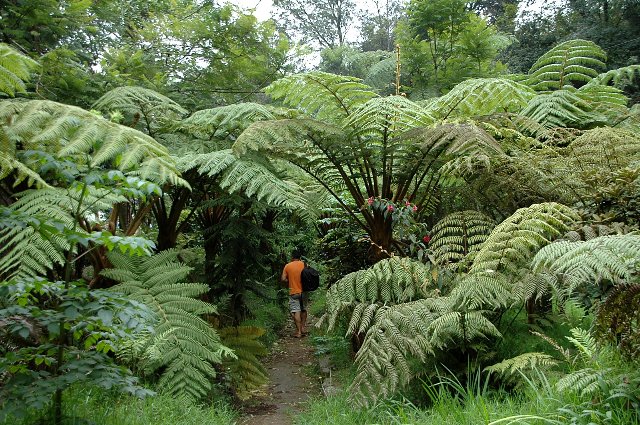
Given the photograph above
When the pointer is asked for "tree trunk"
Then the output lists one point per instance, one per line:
(381, 236)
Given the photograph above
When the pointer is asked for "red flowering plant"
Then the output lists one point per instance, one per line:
(400, 213)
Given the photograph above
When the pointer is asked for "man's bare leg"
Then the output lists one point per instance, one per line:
(297, 319)
(303, 322)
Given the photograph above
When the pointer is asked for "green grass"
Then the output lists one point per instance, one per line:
(88, 405)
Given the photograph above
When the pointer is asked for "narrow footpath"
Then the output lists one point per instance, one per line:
(290, 365)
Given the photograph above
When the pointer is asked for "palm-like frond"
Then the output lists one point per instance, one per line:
(481, 96)
(568, 63)
(321, 95)
(524, 362)
(139, 100)
(246, 372)
(15, 69)
(386, 117)
(185, 348)
(391, 281)
(513, 242)
(249, 175)
(610, 258)
(27, 252)
(561, 108)
(70, 131)
(225, 121)
(459, 234)
(617, 77)
(406, 331)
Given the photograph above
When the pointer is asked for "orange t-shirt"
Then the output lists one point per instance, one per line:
(292, 272)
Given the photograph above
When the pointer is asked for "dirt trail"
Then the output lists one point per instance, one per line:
(289, 386)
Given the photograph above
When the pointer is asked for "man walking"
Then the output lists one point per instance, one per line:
(297, 299)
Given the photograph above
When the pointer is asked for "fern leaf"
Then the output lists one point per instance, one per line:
(184, 347)
(359, 290)
(321, 95)
(15, 69)
(523, 362)
(70, 131)
(610, 258)
(139, 100)
(458, 235)
(514, 241)
(481, 96)
(617, 77)
(571, 62)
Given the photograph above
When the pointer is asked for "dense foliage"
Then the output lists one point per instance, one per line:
(470, 195)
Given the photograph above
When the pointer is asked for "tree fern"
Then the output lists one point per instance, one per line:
(248, 175)
(570, 63)
(406, 331)
(561, 108)
(524, 362)
(70, 131)
(24, 250)
(481, 96)
(184, 347)
(459, 234)
(15, 69)
(617, 77)
(225, 121)
(246, 372)
(138, 100)
(513, 242)
(321, 95)
(610, 258)
(391, 281)
(386, 116)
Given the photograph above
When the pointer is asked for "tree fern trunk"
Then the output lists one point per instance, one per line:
(381, 236)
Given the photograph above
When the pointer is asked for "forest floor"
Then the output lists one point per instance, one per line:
(293, 379)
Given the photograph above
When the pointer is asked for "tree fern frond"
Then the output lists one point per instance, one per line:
(139, 100)
(224, 121)
(321, 95)
(611, 258)
(524, 362)
(248, 175)
(458, 235)
(604, 148)
(571, 62)
(246, 371)
(481, 96)
(15, 69)
(386, 117)
(406, 331)
(514, 241)
(583, 381)
(617, 77)
(561, 108)
(70, 131)
(391, 281)
(184, 347)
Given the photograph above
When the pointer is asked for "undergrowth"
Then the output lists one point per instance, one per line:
(95, 406)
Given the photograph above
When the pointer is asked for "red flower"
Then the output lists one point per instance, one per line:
(370, 201)
(407, 203)
(390, 208)
(415, 208)
(426, 238)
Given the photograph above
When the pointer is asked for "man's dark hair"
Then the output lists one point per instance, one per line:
(296, 254)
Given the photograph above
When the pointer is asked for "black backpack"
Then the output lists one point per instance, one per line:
(310, 278)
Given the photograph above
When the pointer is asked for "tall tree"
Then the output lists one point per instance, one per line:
(377, 30)
(445, 43)
(323, 22)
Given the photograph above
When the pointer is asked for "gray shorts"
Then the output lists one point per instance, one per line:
(295, 303)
